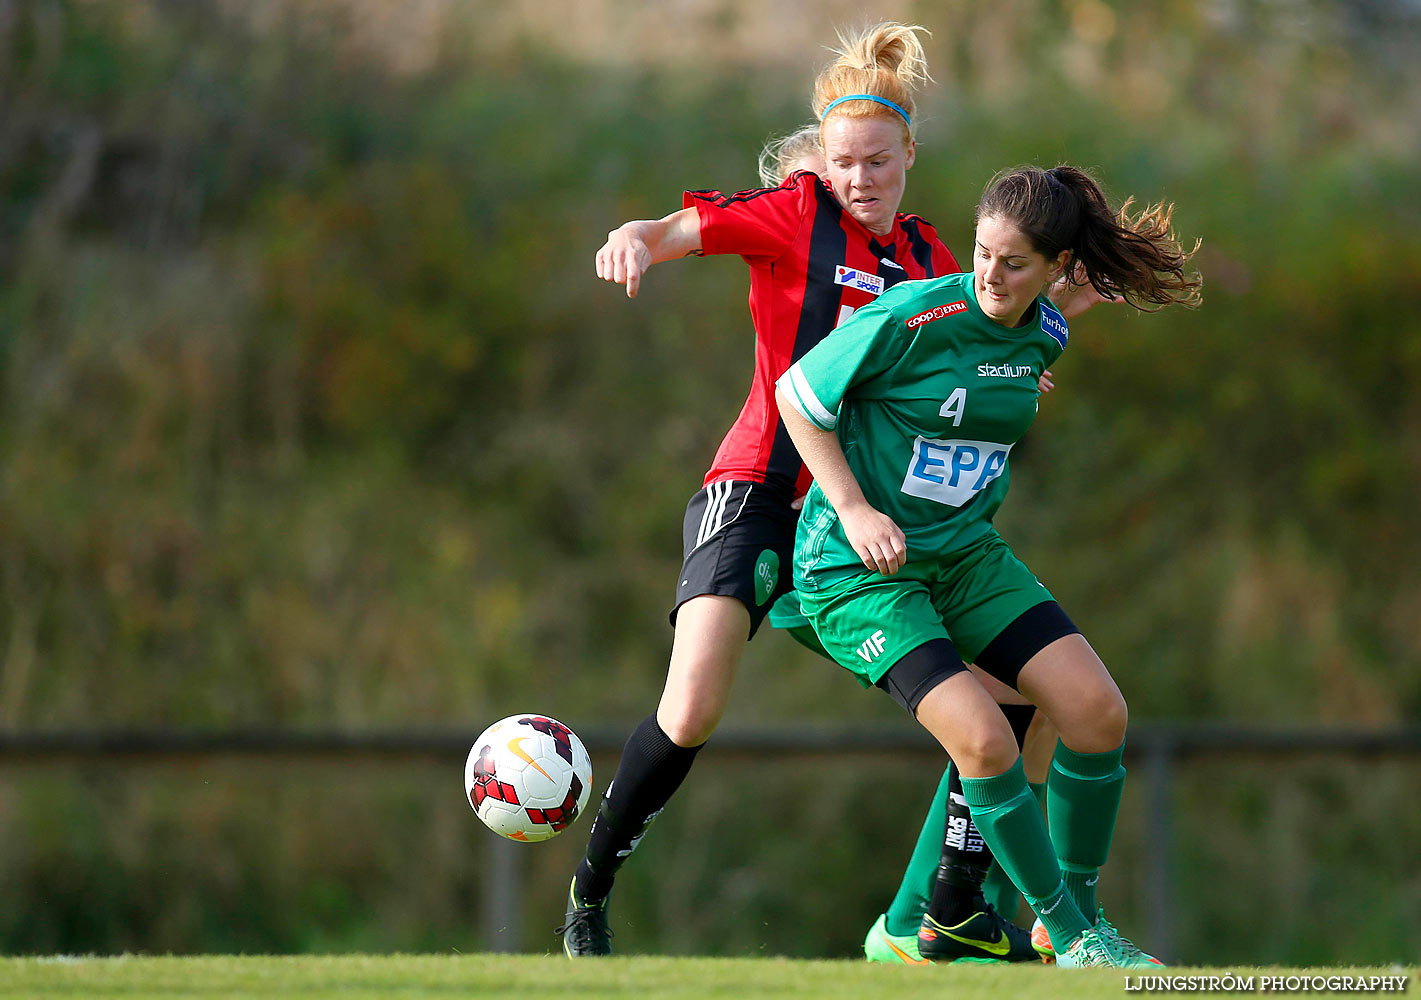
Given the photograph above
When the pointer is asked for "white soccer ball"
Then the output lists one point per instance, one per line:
(528, 777)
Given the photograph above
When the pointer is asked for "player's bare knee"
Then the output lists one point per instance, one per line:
(1113, 717)
(689, 724)
(984, 751)
(1102, 717)
(692, 734)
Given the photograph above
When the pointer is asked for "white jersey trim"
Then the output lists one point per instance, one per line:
(796, 387)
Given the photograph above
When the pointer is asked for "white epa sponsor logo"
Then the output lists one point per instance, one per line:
(862, 280)
(953, 472)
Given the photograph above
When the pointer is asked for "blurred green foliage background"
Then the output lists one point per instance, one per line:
(313, 413)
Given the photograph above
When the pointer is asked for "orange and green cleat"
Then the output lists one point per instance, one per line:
(880, 946)
(1041, 941)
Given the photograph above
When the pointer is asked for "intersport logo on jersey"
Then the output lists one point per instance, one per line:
(938, 312)
(862, 280)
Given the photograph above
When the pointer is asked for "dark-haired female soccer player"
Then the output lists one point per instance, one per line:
(975, 899)
(949, 860)
(906, 418)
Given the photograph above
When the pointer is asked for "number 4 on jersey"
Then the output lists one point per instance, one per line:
(955, 405)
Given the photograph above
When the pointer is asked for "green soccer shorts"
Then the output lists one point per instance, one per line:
(867, 621)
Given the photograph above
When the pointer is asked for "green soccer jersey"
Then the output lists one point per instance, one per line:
(928, 396)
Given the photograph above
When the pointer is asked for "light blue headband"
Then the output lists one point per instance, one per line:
(867, 97)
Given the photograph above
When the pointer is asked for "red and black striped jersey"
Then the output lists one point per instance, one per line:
(811, 265)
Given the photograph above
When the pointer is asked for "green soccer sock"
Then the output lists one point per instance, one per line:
(1083, 799)
(1000, 892)
(998, 888)
(1009, 819)
(906, 911)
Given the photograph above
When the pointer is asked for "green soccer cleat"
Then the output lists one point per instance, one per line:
(1127, 954)
(983, 937)
(1086, 951)
(584, 930)
(880, 946)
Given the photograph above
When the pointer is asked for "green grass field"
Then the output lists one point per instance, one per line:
(526, 977)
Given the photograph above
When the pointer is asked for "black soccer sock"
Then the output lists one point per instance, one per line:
(1019, 718)
(651, 769)
(965, 860)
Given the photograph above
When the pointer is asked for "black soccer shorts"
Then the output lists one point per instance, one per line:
(738, 540)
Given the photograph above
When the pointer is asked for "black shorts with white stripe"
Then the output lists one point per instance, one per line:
(738, 542)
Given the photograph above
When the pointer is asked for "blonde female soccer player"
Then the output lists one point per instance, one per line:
(817, 251)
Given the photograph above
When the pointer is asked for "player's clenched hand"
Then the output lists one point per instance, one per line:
(623, 259)
(879, 542)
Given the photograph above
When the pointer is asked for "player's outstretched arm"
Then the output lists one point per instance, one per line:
(879, 542)
(1075, 297)
(634, 246)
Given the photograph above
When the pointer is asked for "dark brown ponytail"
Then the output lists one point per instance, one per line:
(1136, 258)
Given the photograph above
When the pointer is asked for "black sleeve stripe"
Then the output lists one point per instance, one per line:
(730, 199)
(748, 195)
(921, 249)
(819, 311)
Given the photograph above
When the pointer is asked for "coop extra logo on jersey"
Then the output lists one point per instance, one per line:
(953, 472)
(861, 280)
(937, 312)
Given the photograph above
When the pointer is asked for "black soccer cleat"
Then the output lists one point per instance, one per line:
(584, 930)
(985, 936)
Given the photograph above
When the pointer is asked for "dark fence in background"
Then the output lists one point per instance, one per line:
(1153, 752)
